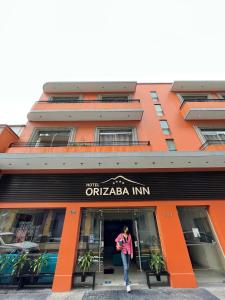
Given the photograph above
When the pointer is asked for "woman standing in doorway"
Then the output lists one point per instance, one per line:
(124, 244)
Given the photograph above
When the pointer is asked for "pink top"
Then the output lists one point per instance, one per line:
(126, 247)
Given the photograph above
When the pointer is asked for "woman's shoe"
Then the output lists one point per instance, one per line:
(128, 288)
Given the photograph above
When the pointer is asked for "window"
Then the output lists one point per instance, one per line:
(222, 96)
(154, 96)
(65, 99)
(214, 135)
(51, 138)
(115, 136)
(187, 97)
(116, 98)
(31, 230)
(159, 110)
(165, 127)
(171, 145)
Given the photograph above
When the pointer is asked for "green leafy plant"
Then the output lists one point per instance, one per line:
(38, 262)
(156, 262)
(19, 264)
(85, 261)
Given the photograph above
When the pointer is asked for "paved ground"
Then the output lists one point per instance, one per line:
(156, 294)
(209, 293)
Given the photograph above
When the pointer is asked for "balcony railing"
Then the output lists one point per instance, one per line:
(80, 144)
(212, 142)
(88, 101)
(201, 100)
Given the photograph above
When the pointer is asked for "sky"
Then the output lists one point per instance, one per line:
(105, 40)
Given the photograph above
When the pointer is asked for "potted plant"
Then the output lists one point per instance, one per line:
(157, 264)
(85, 262)
(37, 263)
(20, 265)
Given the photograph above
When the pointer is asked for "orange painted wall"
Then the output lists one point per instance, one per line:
(7, 136)
(148, 129)
(170, 231)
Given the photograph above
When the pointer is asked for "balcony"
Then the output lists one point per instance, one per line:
(213, 145)
(199, 109)
(64, 147)
(86, 110)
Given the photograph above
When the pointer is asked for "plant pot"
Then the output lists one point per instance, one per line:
(158, 277)
(83, 278)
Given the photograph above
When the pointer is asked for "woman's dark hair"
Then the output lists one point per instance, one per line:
(125, 227)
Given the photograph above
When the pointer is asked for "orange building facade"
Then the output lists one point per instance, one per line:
(96, 155)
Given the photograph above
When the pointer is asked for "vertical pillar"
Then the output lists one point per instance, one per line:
(217, 217)
(174, 247)
(67, 250)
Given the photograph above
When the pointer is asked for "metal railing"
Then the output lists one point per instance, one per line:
(80, 144)
(201, 100)
(212, 142)
(89, 101)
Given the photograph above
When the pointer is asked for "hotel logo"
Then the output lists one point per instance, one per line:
(117, 186)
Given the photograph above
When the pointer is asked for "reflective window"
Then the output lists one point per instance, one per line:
(31, 230)
(170, 144)
(165, 127)
(159, 110)
(154, 96)
(51, 138)
(115, 136)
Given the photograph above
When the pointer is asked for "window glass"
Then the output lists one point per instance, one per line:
(31, 230)
(187, 97)
(159, 110)
(116, 98)
(51, 138)
(165, 127)
(115, 136)
(216, 135)
(154, 96)
(35, 232)
(170, 144)
(64, 98)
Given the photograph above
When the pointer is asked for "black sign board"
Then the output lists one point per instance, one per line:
(112, 187)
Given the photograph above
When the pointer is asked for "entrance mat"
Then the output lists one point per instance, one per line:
(108, 271)
(156, 294)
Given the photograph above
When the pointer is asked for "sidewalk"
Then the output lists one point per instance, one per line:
(209, 293)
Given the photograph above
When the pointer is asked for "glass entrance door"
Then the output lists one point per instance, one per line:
(91, 236)
(142, 225)
(147, 237)
(205, 254)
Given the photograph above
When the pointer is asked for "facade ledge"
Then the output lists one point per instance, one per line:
(198, 86)
(115, 160)
(89, 86)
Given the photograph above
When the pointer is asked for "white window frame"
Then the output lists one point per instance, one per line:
(199, 129)
(134, 131)
(34, 135)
